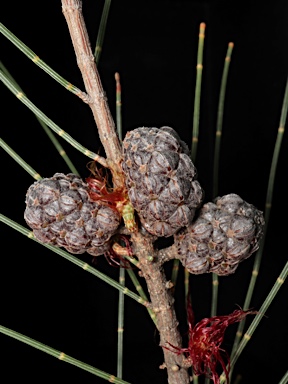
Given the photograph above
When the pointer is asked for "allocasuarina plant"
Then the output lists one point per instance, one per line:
(146, 208)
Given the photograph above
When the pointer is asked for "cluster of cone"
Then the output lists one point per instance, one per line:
(162, 186)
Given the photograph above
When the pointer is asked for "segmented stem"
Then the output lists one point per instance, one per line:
(123, 252)
(196, 118)
(122, 270)
(60, 355)
(186, 285)
(101, 30)
(49, 133)
(141, 292)
(268, 206)
(284, 379)
(175, 271)
(120, 329)
(215, 279)
(118, 106)
(196, 115)
(40, 63)
(195, 130)
(220, 119)
(24, 99)
(74, 260)
(270, 297)
(214, 301)
(19, 160)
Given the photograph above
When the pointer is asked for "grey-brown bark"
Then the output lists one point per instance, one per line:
(161, 297)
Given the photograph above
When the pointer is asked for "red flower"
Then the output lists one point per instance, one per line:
(205, 338)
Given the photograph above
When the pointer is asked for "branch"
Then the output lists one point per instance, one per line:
(163, 306)
(161, 297)
(166, 254)
(72, 10)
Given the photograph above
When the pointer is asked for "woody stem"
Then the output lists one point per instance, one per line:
(72, 10)
(161, 297)
(163, 306)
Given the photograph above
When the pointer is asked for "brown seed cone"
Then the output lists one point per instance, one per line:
(225, 233)
(160, 179)
(61, 213)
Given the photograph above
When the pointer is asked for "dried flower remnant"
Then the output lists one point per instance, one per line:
(205, 338)
(115, 256)
(117, 200)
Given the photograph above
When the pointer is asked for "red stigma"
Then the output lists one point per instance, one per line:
(205, 339)
(115, 256)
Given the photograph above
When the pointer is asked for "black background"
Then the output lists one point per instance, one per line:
(153, 45)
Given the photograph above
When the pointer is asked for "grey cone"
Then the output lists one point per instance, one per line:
(224, 233)
(160, 179)
(60, 212)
